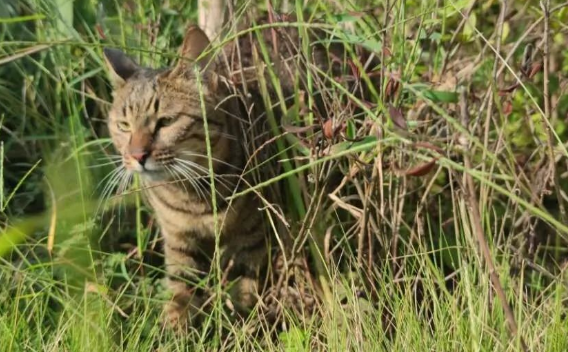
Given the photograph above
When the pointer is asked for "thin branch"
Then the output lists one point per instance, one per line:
(492, 89)
(476, 222)
(545, 5)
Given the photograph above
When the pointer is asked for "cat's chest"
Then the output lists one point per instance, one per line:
(178, 212)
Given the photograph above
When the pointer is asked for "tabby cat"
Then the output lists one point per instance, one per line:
(157, 123)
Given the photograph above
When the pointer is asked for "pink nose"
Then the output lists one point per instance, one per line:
(140, 157)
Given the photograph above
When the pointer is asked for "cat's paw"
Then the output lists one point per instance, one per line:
(175, 317)
(181, 315)
(244, 294)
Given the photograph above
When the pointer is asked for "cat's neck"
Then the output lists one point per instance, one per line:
(196, 191)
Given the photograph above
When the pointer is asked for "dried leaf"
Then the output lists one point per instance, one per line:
(24, 52)
(375, 73)
(507, 108)
(422, 169)
(397, 117)
(391, 88)
(428, 145)
(368, 104)
(298, 129)
(328, 129)
(535, 68)
(100, 31)
(509, 89)
(354, 69)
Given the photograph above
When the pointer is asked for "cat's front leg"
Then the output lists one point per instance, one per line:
(186, 265)
(247, 259)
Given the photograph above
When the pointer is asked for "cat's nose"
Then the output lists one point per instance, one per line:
(141, 157)
(140, 146)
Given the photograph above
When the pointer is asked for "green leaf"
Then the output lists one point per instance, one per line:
(294, 340)
(35, 17)
(351, 130)
(339, 147)
(469, 28)
(439, 96)
(64, 9)
(366, 42)
(346, 17)
(17, 234)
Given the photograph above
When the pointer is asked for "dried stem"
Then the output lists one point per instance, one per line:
(492, 88)
(211, 17)
(545, 5)
(475, 219)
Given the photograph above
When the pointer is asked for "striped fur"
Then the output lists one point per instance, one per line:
(156, 123)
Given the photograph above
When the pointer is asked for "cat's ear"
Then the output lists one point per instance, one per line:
(120, 66)
(195, 43)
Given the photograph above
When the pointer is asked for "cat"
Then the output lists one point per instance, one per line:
(157, 124)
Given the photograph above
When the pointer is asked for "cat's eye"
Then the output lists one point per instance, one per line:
(165, 122)
(124, 126)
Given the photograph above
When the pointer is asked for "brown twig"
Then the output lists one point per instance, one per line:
(545, 5)
(473, 204)
(492, 88)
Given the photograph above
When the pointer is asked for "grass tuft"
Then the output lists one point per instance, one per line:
(423, 211)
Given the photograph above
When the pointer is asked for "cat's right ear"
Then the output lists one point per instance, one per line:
(195, 43)
(120, 66)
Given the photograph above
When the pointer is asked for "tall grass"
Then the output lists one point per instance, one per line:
(386, 245)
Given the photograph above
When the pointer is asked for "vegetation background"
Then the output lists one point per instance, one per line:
(431, 217)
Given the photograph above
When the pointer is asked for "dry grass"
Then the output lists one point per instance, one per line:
(426, 213)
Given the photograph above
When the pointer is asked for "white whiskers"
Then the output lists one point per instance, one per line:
(187, 172)
(199, 177)
(118, 180)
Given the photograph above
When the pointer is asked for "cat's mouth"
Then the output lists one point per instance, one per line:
(154, 175)
(147, 168)
(164, 167)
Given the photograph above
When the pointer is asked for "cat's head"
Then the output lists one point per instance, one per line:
(157, 117)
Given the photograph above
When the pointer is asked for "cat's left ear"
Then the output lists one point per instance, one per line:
(195, 44)
(120, 66)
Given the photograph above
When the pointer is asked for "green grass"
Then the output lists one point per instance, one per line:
(387, 254)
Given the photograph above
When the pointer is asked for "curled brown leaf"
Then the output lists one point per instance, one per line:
(422, 169)
(397, 117)
(509, 89)
(535, 68)
(331, 128)
(507, 108)
(391, 88)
